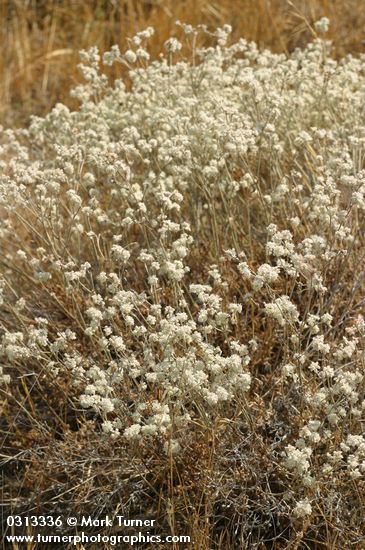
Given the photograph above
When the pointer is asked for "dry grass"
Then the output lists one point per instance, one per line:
(40, 39)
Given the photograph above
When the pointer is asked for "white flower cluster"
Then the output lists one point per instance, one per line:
(282, 310)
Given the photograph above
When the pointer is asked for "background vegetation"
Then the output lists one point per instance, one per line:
(40, 39)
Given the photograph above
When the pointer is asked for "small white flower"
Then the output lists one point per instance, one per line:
(283, 310)
(302, 508)
(119, 253)
(130, 56)
(133, 431)
(172, 45)
(322, 25)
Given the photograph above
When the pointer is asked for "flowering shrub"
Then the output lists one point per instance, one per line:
(182, 276)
